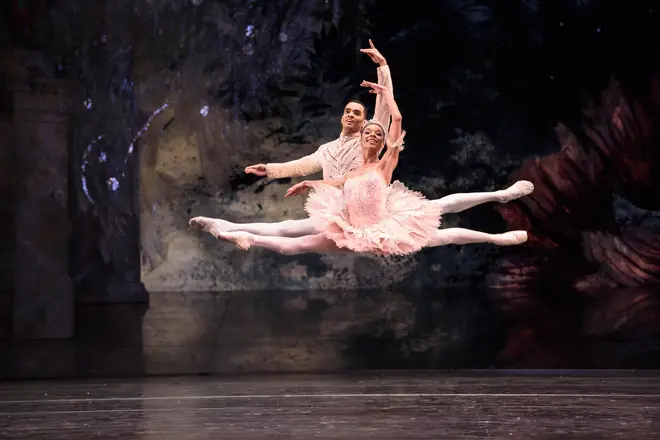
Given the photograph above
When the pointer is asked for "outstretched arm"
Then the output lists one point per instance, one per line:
(305, 185)
(382, 110)
(304, 166)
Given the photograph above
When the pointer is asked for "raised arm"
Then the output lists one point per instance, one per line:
(395, 127)
(304, 166)
(395, 135)
(382, 111)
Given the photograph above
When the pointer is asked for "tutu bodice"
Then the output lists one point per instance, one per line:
(365, 197)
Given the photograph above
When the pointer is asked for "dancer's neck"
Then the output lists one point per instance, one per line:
(370, 159)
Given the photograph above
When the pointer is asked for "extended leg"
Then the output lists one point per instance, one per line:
(283, 245)
(462, 201)
(447, 236)
(286, 228)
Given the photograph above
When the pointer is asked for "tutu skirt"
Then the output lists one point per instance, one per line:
(399, 221)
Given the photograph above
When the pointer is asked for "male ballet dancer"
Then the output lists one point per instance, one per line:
(334, 159)
(343, 155)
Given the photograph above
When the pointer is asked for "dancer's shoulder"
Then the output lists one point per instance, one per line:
(328, 144)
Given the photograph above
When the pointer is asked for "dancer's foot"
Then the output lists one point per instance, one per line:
(510, 238)
(519, 189)
(243, 240)
(211, 225)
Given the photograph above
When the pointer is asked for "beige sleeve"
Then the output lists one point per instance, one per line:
(304, 166)
(382, 112)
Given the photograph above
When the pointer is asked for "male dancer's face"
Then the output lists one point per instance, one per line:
(353, 117)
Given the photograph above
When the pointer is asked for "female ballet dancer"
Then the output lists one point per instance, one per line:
(363, 212)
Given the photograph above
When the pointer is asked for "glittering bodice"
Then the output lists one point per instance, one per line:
(365, 197)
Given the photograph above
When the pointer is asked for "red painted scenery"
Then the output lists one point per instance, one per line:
(582, 279)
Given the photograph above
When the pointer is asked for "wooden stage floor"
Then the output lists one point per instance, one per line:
(364, 406)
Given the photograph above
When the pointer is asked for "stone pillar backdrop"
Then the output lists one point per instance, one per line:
(37, 181)
(7, 195)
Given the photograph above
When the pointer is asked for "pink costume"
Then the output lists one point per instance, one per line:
(340, 156)
(368, 215)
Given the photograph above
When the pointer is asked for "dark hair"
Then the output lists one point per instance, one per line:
(364, 107)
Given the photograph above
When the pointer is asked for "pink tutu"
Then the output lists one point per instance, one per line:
(368, 215)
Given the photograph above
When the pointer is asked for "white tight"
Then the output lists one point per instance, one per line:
(286, 228)
(318, 243)
(298, 228)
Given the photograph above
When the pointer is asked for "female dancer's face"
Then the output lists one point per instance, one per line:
(373, 138)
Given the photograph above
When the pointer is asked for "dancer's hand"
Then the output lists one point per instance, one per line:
(375, 88)
(298, 188)
(259, 170)
(374, 54)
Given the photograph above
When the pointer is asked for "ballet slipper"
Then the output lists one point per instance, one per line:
(510, 238)
(210, 225)
(242, 240)
(519, 189)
